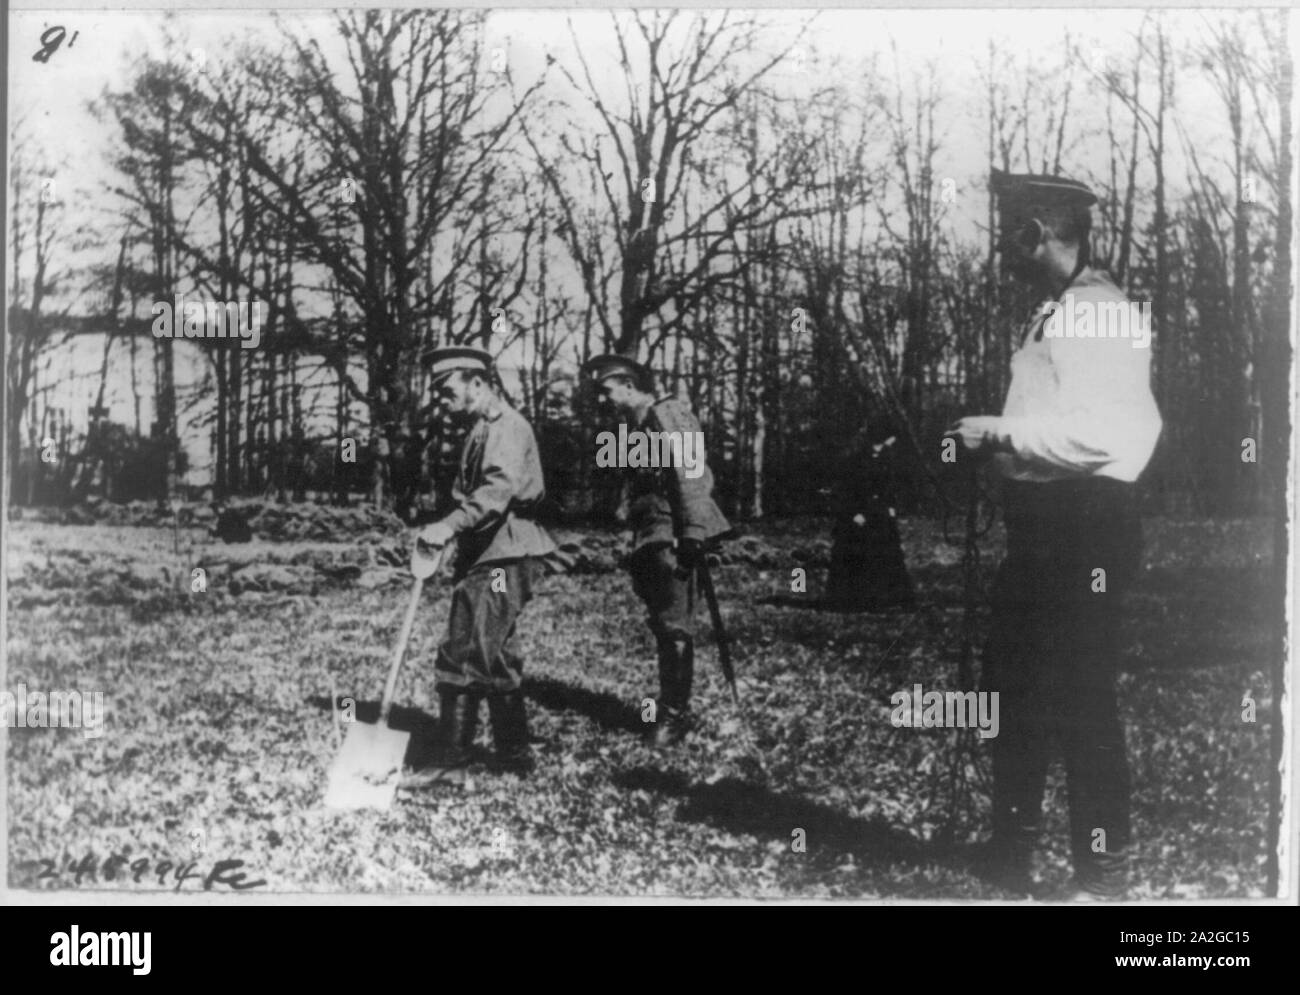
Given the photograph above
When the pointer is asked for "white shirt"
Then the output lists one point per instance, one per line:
(1081, 404)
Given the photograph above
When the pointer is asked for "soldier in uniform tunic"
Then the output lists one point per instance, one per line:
(673, 519)
(499, 548)
(1078, 427)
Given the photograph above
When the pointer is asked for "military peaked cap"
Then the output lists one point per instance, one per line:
(612, 365)
(1039, 189)
(443, 360)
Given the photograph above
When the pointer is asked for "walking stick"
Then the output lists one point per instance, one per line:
(724, 659)
(719, 632)
(964, 746)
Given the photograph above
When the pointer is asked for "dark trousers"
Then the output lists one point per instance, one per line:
(670, 604)
(669, 597)
(1072, 554)
(480, 651)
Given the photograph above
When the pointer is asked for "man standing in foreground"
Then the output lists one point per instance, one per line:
(673, 517)
(1078, 427)
(496, 494)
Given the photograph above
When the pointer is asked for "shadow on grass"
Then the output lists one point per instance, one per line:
(606, 710)
(422, 726)
(742, 807)
(745, 808)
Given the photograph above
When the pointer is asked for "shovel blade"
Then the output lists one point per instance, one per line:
(366, 771)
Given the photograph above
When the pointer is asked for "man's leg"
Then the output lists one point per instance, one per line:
(506, 699)
(477, 659)
(1096, 761)
(1013, 669)
(669, 600)
(1015, 666)
(1096, 769)
(676, 673)
(458, 679)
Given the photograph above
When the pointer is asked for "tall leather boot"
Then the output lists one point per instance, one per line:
(685, 672)
(457, 723)
(676, 671)
(509, 716)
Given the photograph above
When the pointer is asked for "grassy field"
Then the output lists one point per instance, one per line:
(219, 734)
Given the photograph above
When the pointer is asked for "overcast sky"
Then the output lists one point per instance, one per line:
(52, 97)
(54, 94)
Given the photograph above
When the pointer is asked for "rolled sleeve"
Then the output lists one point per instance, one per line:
(1101, 417)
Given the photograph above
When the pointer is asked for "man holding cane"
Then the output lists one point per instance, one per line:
(673, 518)
(1078, 427)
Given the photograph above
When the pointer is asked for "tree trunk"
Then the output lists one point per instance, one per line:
(1160, 310)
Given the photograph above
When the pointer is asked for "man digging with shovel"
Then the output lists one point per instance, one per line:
(499, 546)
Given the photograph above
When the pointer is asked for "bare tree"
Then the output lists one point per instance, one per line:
(393, 154)
(657, 148)
(37, 233)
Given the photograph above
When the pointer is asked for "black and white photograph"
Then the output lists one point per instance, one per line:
(648, 455)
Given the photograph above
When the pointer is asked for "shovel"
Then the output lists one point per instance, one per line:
(366, 771)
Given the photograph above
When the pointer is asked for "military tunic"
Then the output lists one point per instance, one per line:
(664, 502)
(664, 505)
(497, 490)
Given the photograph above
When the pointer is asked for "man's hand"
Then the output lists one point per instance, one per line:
(429, 542)
(980, 433)
(434, 536)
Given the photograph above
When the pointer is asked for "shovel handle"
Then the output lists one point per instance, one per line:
(399, 651)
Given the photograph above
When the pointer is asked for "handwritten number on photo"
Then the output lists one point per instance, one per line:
(223, 872)
(51, 39)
